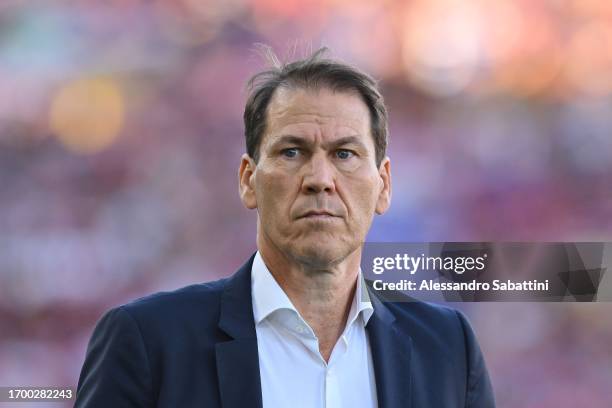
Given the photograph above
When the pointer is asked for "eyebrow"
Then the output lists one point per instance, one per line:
(300, 141)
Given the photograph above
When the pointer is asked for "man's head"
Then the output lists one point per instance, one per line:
(316, 169)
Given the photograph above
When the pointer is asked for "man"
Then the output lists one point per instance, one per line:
(296, 326)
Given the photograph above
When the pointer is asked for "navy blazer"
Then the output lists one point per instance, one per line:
(197, 347)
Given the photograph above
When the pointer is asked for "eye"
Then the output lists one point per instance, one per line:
(290, 153)
(344, 154)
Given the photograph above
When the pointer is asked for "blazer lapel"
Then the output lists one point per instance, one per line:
(391, 355)
(238, 358)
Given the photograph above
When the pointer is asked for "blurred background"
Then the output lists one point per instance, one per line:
(121, 132)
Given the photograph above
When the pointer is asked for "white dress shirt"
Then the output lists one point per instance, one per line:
(293, 372)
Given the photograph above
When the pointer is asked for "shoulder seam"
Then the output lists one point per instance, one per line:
(469, 385)
(123, 309)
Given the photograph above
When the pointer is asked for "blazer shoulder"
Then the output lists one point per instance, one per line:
(170, 307)
(431, 319)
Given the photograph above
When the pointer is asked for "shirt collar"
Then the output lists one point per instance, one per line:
(268, 296)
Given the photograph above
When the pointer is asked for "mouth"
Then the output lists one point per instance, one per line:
(318, 215)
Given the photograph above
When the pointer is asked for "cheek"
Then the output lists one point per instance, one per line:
(273, 192)
(362, 200)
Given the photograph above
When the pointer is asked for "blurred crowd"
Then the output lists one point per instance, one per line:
(121, 133)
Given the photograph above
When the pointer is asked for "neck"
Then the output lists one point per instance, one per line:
(322, 294)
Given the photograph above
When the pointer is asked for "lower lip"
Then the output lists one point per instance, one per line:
(319, 217)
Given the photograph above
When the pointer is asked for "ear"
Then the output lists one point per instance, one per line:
(384, 196)
(246, 181)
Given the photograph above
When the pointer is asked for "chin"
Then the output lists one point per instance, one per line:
(320, 255)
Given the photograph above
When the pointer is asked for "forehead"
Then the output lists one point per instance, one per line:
(320, 111)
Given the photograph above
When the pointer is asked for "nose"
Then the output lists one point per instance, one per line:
(318, 175)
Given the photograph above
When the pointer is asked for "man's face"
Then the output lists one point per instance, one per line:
(316, 185)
